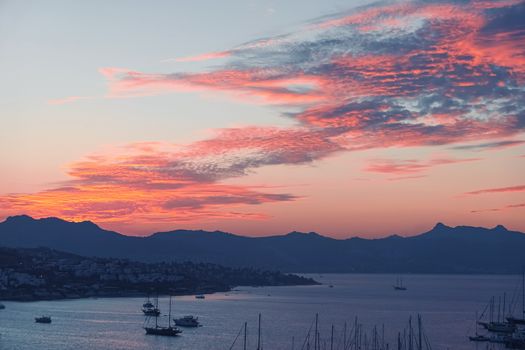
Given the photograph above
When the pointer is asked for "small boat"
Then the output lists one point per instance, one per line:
(169, 331)
(200, 296)
(43, 319)
(399, 284)
(2, 306)
(187, 321)
(149, 309)
(479, 337)
(331, 286)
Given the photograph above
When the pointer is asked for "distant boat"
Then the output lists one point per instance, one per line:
(164, 331)
(200, 296)
(2, 306)
(399, 284)
(331, 286)
(187, 321)
(43, 319)
(149, 309)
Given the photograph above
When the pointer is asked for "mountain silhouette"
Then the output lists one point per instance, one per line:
(443, 249)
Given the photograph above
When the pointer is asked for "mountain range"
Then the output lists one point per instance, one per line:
(443, 249)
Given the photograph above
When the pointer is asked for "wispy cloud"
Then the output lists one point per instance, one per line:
(201, 57)
(510, 206)
(519, 188)
(410, 166)
(490, 145)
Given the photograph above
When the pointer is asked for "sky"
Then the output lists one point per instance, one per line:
(348, 118)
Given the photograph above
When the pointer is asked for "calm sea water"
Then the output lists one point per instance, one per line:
(446, 303)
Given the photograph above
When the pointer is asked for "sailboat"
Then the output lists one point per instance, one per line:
(498, 325)
(165, 331)
(149, 309)
(517, 320)
(399, 284)
(478, 337)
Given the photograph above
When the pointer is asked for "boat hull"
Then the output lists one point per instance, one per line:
(167, 332)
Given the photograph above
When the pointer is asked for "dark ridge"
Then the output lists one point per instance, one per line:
(443, 249)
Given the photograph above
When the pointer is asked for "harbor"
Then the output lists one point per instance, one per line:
(446, 304)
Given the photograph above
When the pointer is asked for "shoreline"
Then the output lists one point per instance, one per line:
(137, 294)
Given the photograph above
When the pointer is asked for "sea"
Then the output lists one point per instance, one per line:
(447, 305)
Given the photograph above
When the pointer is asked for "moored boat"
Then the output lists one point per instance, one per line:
(187, 321)
(43, 319)
(149, 309)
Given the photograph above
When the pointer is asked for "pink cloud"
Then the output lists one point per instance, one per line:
(202, 57)
(410, 166)
(519, 188)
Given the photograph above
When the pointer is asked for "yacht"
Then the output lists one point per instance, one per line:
(187, 321)
(149, 309)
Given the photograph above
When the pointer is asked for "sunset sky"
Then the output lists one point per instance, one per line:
(262, 117)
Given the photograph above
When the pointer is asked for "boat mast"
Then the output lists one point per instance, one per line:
(476, 323)
(499, 307)
(245, 325)
(523, 292)
(332, 339)
(410, 343)
(259, 334)
(316, 335)
(420, 345)
(169, 315)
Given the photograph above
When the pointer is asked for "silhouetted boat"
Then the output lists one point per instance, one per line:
(200, 296)
(2, 306)
(495, 324)
(149, 309)
(164, 331)
(478, 337)
(43, 319)
(187, 321)
(399, 284)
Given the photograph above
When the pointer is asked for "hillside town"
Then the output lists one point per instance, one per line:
(44, 274)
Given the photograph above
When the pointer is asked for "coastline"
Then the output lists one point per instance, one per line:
(139, 294)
